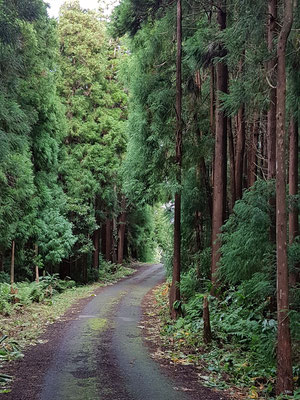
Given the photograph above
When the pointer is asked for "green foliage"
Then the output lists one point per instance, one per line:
(4, 277)
(96, 112)
(246, 246)
(32, 127)
(244, 337)
(141, 241)
(9, 350)
(27, 293)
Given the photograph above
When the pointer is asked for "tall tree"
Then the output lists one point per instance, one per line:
(220, 156)
(271, 72)
(175, 289)
(284, 356)
(96, 112)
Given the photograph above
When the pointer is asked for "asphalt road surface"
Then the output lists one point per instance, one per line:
(98, 353)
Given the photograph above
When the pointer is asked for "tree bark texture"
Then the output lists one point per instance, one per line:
(240, 150)
(103, 239)
(212, 99)
(108, 240)
(96, 252)
(232, 164)
(293, 188)
(271, 71)
(175, 290)
(293, 179)
(252, 152)
(114, 240)
(84, 260)
(220, 162)
(284, 358)
(121, 232)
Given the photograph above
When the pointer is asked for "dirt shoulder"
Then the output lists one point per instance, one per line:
(187, 375)
(38, 329)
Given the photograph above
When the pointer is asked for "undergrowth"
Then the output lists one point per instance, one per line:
(110, 272)
(242, 352)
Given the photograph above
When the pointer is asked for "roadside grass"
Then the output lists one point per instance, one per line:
(24, 324)
(220, 366)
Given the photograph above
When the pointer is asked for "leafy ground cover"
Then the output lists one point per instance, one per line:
(26, 314)
(224, 364)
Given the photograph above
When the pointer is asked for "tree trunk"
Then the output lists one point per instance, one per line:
(96, 240)
(284, 358)
(206, 184)
(12, 265)
(293, 189)
(108, 240)
(271, 71)
(103, 239)
(220, 170)
(240, 150)
(37, 275)
(232, 165)
(126, 250)
(252, 157)
(114, 240)
(212, 99)
(121, 233)
(175, 290)
(85, 267)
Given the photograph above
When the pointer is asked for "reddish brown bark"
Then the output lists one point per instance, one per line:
(252, 153)
(121, 232)
(114, 240)
(240, 150)
(206, 184)
(212, 99)
(293, 179)
(96, 252)
(103, 239)
(220, 170)
(284, 358)
(108, 240)
(271, 71)
(175, 290)
(232, 165)
(293, 188)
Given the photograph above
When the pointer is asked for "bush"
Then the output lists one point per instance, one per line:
(246, 246)
(27, 293)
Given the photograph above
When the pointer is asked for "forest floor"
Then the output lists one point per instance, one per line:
(96, 351)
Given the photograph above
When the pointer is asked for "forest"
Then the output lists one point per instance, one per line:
(167, 132)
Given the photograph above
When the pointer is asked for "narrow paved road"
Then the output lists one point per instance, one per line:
(102, 355)
(99, 354)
